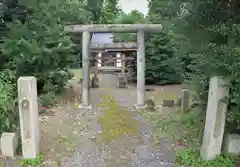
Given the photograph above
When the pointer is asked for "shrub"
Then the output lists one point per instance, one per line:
(8, 111)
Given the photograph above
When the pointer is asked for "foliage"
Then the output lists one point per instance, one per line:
(33, 42)
(35, 162)
(110, 11)
(191, 157)
(215, 48)
(186, 129)
(48, 99)
(44, 50)
(162, 65)
(95, 7)
(134, 17)
(8, 111)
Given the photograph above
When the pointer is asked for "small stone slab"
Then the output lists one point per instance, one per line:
(167, 103)
(231, 143)
(136, 106)
(9, 144)
(85, 107)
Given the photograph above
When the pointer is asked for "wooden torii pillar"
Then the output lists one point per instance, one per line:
(120, 28)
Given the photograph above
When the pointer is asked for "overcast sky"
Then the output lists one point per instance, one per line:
(129, 5)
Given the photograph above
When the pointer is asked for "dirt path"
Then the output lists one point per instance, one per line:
(69, 138)
(130, 150)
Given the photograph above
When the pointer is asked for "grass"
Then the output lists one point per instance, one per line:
(185, 132)
(116, 120)
(32, 162)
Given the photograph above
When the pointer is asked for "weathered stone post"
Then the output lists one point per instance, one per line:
(28, 112)
(86, 37)
(215, 118)
(185, 100)
(140, 68)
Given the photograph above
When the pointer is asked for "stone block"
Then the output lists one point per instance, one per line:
(215, 118)
(178, 101)
(29, 121)
(9, 144)
(185, 100)
(231, 143)
(167, 103)
(122, 82)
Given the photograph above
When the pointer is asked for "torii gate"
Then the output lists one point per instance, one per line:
(86, 30)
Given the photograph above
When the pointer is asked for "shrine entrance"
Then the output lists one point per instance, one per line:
(86, 31)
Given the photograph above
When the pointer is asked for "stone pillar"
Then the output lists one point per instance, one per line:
(86, 38)
(185, 100)
(140, 68)
(215, 118)
(99, 58)
(28, 112)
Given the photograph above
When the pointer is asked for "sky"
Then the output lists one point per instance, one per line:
(129, 5)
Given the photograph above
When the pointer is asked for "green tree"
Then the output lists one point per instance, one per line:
(212, 27)
(44, 50)
(95, 7)
(134, 17)
(162, 65)
(110, 11)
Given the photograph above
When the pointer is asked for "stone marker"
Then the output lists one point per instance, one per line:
(178, 101)
(184, 100)
(95, 81)
(29, 121)
(9, 144)
(231, 143)
(122, 81)
(215, 118)
(167, 103)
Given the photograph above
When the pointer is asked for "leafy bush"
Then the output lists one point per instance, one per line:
(8, 111)
(162, 66)
(33, 43)
(216, 49)
(191, 157)
(40, 47)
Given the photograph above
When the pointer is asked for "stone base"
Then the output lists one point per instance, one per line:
(85, 107)
(125, 86)
(9, 144)
(231, 143)
(136, 106)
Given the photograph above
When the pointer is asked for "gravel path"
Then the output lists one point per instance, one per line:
(129, 151)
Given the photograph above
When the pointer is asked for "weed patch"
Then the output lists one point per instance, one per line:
(116, 120)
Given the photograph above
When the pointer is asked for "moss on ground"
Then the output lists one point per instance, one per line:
(115, 121)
